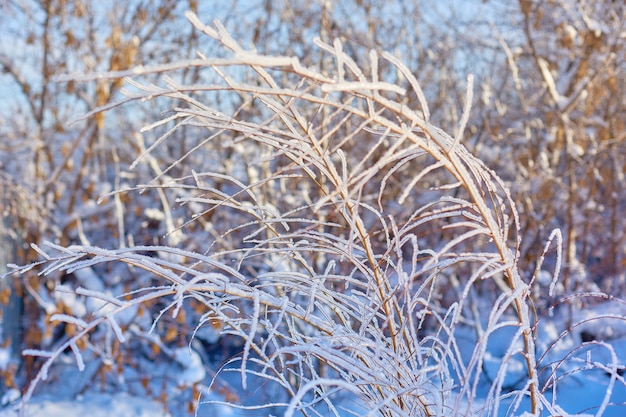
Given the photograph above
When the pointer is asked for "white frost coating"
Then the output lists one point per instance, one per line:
(252, 58)
(193, 368)
(116, 328)
(466, 110)
(69, 319)
(80, 364)
(251, 334)
(99, 295)
(37, 352)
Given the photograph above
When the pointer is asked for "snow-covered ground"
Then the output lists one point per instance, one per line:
(93, 405)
